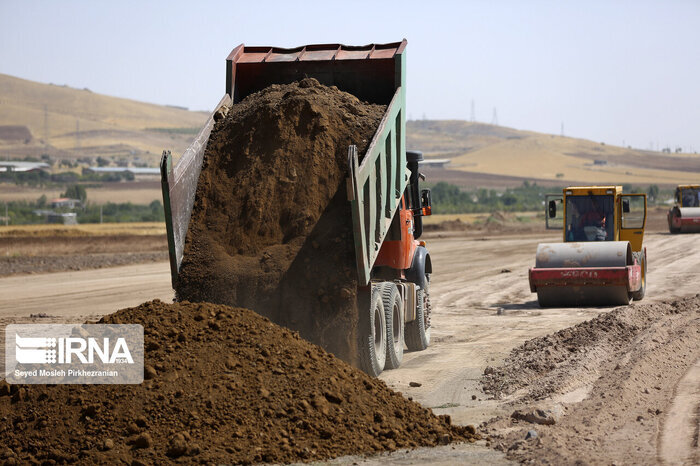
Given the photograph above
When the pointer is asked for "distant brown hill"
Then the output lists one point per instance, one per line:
(63, 122)
(73, 123)
(493, 156)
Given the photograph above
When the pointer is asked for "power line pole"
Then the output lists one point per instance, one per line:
(46, 125)
(472, 117)
(77, 135)
(562, 129)
(494, 119)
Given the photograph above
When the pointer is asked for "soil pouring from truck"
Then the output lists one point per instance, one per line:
(387, 204)
(684, 217)
(602, 260)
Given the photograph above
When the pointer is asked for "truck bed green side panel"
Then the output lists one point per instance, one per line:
(376, 184)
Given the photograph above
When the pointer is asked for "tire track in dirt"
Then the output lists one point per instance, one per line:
(96, 292)
(678, 442)
(674, 265)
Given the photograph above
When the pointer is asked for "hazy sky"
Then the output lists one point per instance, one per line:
(611, 71)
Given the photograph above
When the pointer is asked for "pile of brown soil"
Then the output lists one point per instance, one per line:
(271, 225)
(223, 385)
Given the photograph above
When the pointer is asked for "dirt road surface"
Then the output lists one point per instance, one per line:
(82, 295)
(483, 309)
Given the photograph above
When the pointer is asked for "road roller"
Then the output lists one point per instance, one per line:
(684, 217)
(602, 260)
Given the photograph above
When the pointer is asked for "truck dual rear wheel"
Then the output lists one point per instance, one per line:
(394, 313)
(373, 343)
(417, 332)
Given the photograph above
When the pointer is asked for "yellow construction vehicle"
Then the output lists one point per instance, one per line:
(602, 260)
(684, 217)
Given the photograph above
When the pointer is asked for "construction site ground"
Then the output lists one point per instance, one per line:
(631, 396)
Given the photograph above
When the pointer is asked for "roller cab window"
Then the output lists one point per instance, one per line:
(690, 197)
(590, 218)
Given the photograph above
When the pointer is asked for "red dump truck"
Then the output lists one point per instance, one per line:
(387, 204)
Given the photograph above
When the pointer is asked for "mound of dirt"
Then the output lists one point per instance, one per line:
(449, 225)
(544, 366)
(270, 228)
(223, 385)
(495, 223)
(615, 385)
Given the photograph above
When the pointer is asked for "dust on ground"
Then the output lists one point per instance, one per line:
(271, 226)
(223, 385)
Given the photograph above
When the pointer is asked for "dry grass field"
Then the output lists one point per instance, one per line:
(135, 192)
(88, 229)
(481, 155)
(107, 125)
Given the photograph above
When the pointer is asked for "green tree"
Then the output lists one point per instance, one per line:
(156, 207)
(509, 199)
(76, 191)
(653, 193)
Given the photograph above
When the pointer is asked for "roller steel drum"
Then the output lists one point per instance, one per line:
(685, 220)
(583, 255)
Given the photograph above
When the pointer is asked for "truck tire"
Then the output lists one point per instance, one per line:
(394, 313)
(417, 332)
(639, 295)
(372, 346)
